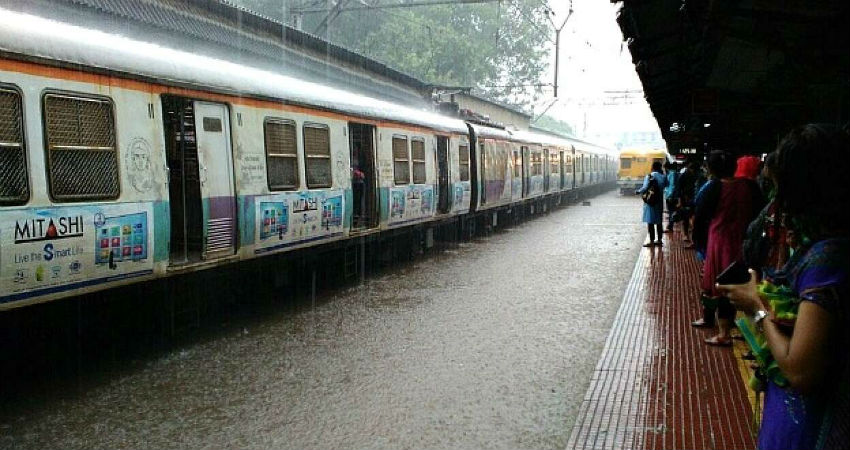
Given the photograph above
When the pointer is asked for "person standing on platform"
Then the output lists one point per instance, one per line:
(653, 206)
(670, 193)
(737, 201)
(765, 246)
(686, 193)
(810, 407)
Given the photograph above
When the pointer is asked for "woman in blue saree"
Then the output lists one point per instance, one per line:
(813, 410)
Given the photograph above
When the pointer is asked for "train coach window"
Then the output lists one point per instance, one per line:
(317, 149)
(14, 188)
(417, 147)
(281, 154)
(401, 158)
(463, 156)
(82, 160)
(626, 163)
(554, 163)
(536, 164)
(568, 164)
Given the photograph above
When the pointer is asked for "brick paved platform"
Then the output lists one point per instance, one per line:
(657, 385)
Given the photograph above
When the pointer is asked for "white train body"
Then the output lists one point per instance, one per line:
(125, 161)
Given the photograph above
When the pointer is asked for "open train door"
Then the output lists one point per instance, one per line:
(215, 164)
(443, 192)
(363, 181)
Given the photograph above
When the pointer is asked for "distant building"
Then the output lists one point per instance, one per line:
(463, 103)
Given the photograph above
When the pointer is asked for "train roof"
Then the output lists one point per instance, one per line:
(31, 36)
(643, 151)
(561, 141)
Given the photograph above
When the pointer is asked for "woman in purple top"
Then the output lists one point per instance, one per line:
(813, 410)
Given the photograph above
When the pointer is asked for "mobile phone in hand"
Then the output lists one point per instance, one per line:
(736, 273)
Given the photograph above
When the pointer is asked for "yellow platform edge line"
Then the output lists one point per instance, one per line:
(740, 348)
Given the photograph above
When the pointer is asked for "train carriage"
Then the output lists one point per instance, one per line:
(125, 161)
(635, 164)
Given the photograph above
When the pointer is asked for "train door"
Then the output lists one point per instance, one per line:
(546, 172)
(483, 155)
(562, 172)
(363, 180)
(201, 194)
(218, 194)
(443, 185)
(583, 165)
(524, 154)
(474, 173)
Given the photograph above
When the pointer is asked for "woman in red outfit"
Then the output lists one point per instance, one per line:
(737, 202)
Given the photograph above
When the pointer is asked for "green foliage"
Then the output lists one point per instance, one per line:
(499, 48)
(549, 123)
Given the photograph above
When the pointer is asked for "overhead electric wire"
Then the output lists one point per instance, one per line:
(413, 4)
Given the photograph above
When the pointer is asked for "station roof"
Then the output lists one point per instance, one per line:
(739, 74)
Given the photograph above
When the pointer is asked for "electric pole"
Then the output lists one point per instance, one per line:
(558, 45)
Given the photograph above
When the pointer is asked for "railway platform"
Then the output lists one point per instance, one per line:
(657, 385)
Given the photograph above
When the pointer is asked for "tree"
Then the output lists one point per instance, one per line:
(499, 48)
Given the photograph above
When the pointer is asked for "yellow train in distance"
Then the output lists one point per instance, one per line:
(635, 164)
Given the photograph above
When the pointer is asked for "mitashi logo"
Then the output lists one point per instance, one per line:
(42, 229)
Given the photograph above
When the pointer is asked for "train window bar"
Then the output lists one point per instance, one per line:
(317, 152)
(82, 155)
(14, 180)
(417, 148)
(401, 160)
(281, 143)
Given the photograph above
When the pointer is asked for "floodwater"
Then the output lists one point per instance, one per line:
(488, 345)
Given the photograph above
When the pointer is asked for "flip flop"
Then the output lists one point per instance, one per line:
(719, 341)
(701, 323)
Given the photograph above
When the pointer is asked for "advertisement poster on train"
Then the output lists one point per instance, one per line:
(286, 219)
(275, 220)
(56, 249)
(463, 193)
(410, 203)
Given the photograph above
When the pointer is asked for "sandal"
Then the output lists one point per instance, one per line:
(701, 323)
(719, 341)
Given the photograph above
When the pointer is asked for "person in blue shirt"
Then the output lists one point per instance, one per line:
(653, 214)
(671, 194)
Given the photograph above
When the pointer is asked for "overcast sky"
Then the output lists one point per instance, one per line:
(594, 59)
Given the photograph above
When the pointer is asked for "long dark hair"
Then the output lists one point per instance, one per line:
(721, 164)
(811, 173)
(656, 166)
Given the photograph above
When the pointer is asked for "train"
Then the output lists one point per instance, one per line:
(124, 161)
(635, 164)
